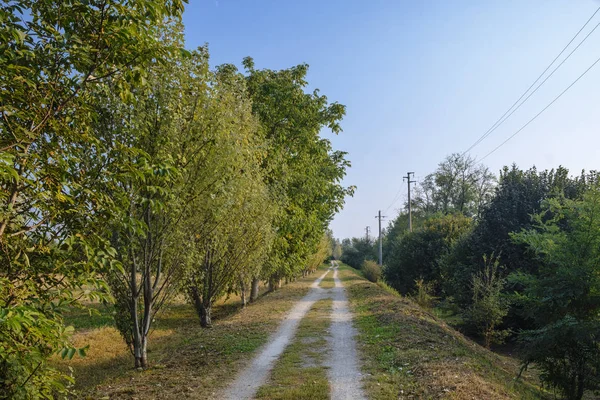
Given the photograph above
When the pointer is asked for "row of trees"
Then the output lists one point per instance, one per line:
(516, 256)
(131, 171)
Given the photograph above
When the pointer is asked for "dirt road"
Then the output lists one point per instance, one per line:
(342, 359)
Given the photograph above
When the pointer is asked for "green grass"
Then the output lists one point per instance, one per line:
(328, 282)
(93, 316)
(186, 361)
(409, 353)
(300, 374)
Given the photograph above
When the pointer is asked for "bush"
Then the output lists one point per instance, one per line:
(423, 294)
(489, 306)
(371, 270)
(416, 255)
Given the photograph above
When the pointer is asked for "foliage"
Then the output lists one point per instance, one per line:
(232, 213)
(51, 55)
(323, 251)
(519, 194)
(302, 170)
(489, 306)
(371, 270)
(423, 293)
(563, 296)
(459, 185)
(356, 251)
(416, 255)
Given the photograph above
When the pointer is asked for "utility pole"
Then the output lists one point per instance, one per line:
(407, 178)
(379, 216)
(367, 230)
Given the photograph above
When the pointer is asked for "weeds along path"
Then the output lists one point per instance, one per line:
(255, 375)
(340, 358)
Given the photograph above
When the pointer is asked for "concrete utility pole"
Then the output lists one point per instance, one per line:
(407, 177)
(379, 216)
(367, 229)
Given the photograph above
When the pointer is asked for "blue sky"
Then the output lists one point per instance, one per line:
(422, 79)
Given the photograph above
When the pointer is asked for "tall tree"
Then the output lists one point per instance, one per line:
(301, 169)
(232, 208)
(51, 55)
(563, 296)
(458, 185)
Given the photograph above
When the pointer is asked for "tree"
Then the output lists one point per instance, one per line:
(302, 170)
(145, 156)
(416, 255)
(52, 54)
(563, 296)
(489, 306)
(233, 212)
(519, 194)
(458, 185)
(324, 251)
(356, 250)
(337, 249)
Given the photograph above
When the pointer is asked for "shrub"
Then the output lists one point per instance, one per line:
(416, 255)
(489, 305)
(371, 270)
(423, 294)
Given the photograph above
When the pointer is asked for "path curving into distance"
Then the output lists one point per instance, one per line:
(343, 373)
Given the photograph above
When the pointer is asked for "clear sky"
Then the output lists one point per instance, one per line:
(422, 79)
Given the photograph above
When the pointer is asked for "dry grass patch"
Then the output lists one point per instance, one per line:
(409, 354)
(186, 360)
(328, 282)
(299, 374)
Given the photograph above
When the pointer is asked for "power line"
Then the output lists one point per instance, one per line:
(396, 198)
(544, 109)
(544, 81)
(506, 114)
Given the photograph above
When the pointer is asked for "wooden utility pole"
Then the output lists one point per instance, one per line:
(379, 216)
(408, 181)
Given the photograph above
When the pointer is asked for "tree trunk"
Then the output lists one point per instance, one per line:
(144, 358)
(205, 316)
(580, 381)
(243, 292)
(136, 337)
(254, 290)
(201, 309)
(272, 285)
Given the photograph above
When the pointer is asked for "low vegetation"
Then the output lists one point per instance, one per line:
(371, 270)
(187, 361)
(410, 354)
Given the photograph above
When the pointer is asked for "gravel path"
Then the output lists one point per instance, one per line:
(255, 375)
(344, 372)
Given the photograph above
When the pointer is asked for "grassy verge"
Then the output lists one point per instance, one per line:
(407, 353)
(299, 373)
(186, 360)
(327, 282)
